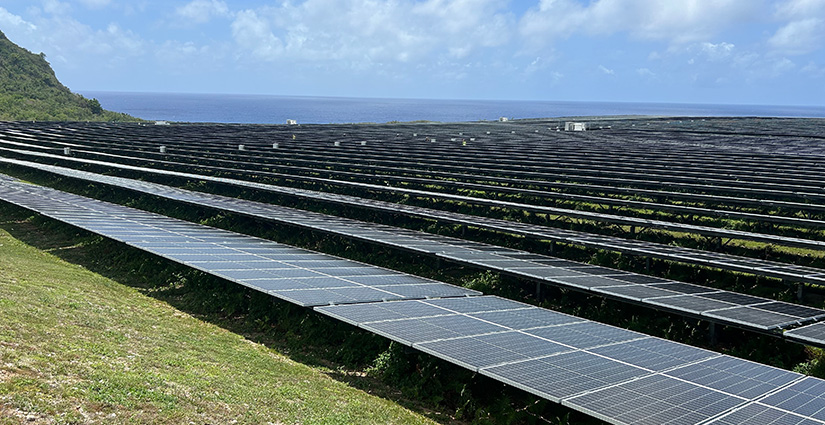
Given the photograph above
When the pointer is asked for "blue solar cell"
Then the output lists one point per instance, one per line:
(634, 292)
(564, 375)
(429, 290)
(585, 335)
(476, 352)
(654, 399)
(753, 317)
(546, 272)
(735, 376)
(654, 354)
(389, 279)
(805, 398)
(691, 303)
(411, 331)
(811, 334)
(376, 312)
(757, 414)
(587, 281)
(477, 304)
(526, 318)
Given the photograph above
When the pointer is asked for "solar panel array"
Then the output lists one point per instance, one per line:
(749, 312)
(244, 167)
(609, 373)
(617, 375)
(756, 266)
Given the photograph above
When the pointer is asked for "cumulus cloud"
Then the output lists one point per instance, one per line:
(804, 28)
(716, 52)
(673, 21)
(202, 11)
(95, 4)
(56, 7)
(254, 34)
(814, 70)
(800, 36)
(373, 32)
(11, 22)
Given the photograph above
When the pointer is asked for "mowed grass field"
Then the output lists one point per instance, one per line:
(77, 347)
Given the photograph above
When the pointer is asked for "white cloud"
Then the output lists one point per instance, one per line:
(56, 7)
(254, 34)
(795, 9)
(606, 70)
(202, 11)
(676, 22)
(11, 22)
(800, 36)
(804, 28)
(716, 52)
(814, 70)
(645, 72)
(381, 33)
(95, 4)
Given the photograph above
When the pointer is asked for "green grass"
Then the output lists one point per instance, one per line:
(77, 347)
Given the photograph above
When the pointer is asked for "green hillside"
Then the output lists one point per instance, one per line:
(29, 90)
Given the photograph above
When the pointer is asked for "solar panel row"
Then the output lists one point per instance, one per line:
(501, 149)
(303, 277)
(456, 176)
(718, 232)
(790, 272)
(729, 308)
(203, 164)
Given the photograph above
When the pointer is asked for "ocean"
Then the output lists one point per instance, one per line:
(261, 109)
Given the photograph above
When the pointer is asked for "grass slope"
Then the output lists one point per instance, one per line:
(77, 347)
(29, 90)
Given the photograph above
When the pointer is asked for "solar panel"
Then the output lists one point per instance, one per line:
(526, 318)
(810, 334)
(412, 331)
(684, 288)
(475, 352)
(755, 414)
(477, 304)
(316, 297)
(805, 398)
(588, 281)
(653, 354)
(564, 375)
(734, 298)
(585, 335)
(792, 310)
(377, 312)
(735, 376)
(634, 292)
(654, 399)
(691, 304)
(753, 317)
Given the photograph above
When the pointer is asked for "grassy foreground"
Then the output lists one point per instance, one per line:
(77, 347)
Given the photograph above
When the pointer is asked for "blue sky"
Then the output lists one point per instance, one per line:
(690, 51)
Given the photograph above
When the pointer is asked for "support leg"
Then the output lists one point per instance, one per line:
(713, 337)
